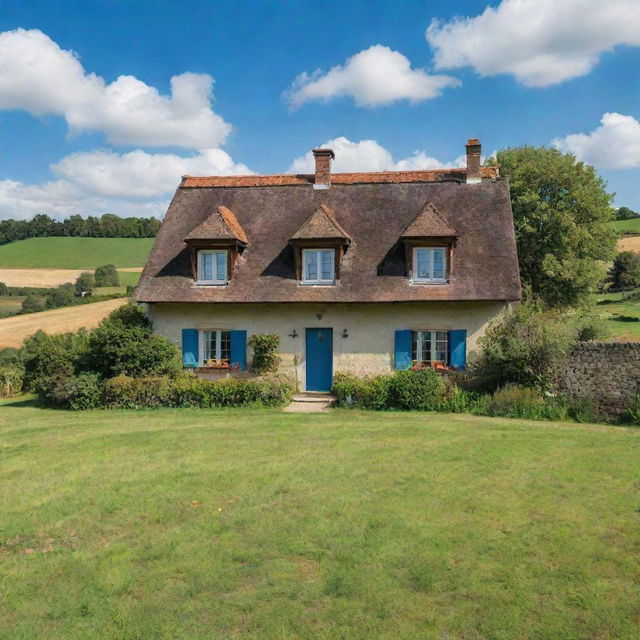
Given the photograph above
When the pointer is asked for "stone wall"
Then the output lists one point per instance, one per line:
(607, 372)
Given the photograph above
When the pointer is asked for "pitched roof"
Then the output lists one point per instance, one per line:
(429, 223)
(319, 225)
(289, 179)
(485, 263)
(220, 225)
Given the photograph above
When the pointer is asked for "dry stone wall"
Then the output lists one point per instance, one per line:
(606, 372)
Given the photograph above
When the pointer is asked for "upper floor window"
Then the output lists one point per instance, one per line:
(318, 266)
(216, 345)
(429, 264)
(430, 347)
(212, 267)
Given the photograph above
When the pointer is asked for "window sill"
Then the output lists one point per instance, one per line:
(420, 282)
(210, 283)
(331, 283)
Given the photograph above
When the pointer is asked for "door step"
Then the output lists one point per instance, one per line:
(313, 397)
(310, 403)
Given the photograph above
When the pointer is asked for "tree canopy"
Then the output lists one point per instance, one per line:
(560, 211)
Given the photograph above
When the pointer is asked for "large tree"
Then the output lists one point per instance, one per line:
(560, 210)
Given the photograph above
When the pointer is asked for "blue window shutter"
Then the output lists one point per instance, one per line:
(458, 348)
(403, 349)
(190, 352)
(239, 349)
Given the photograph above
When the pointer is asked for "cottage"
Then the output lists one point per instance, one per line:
(361, 272)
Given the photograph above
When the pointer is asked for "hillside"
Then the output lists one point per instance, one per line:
(75, 253)
(627, 226)
(15, 329)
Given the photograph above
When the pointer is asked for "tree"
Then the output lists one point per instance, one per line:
(624, 213)
(626, 270)
(560, 212)
(4, 290)
(32, 304)
(61, 296)
(85, 283)
(107, 276)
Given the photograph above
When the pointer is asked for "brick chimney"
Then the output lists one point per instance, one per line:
(323, 168)
(474, 148)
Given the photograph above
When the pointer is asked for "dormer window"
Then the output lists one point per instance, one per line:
(429, 264)
(212, 266)
(318, 266)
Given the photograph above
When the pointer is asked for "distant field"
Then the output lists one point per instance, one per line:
(55, 277)
(629, 243)
(622, 316)
(75, 253)
(15, 329)
(627, 226)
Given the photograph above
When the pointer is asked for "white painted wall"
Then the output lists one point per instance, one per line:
(369, 349)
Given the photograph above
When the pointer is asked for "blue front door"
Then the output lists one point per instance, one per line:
(319, 359)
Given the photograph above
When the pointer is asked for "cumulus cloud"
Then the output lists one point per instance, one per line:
(540, 42)
(368, 155)
(376, 76)
(95, 182)
(38, 76)
(615, 144)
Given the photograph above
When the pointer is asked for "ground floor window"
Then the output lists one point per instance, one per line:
(216, 345)
(430, 347)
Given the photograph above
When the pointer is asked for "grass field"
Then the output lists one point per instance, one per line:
(14, 277)
(627, 226)
(622, 316)
(75, 253)
(14, 330)
(188, 524)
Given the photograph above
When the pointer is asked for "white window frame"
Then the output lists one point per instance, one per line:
(319, 279)
(433, 338)
(216, 280)
(218, 345)
(431, 250)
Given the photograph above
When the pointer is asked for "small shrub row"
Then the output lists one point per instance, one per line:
(11, 379)
(427, 390)
(88, 391)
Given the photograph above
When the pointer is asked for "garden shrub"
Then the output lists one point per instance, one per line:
(513, 401)
(369, 392)
(416, 390)
(106, 276)
(11, 379)
(124, 392)
(265, 353)
(80, 392)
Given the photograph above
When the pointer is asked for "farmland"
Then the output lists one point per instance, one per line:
(75, 253)
(627, 226)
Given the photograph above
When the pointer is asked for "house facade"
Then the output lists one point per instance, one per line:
(361, 272)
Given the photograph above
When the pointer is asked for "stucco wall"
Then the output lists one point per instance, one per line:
(369, 347)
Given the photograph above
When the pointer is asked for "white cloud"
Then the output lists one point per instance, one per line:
(540, 42)
(38, 76)
(96, 182)
(368, 155)
(613, 145)
(375, 76)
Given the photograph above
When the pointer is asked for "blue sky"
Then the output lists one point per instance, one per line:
(75, 138)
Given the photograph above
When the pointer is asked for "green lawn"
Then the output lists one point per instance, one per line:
(622, 316)
(75, 253)
(188, 524)
(627, 226)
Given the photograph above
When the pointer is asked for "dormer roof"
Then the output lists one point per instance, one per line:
(321, 225)
(222, 224)
(429, 223)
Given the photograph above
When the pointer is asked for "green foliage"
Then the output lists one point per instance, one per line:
(33, 304)
(107, 276)
(265, 353)
(62, 296)
(513, 401)
(624, 213)
(4, 289)
(108, 226)
(85, 283)
(416, 390)
(11, 379)
(50, 359)
(526, 346)
(124, 344)
(123, 392)
(561, 213)
(79, 392)
(370, 392)
(625, 272)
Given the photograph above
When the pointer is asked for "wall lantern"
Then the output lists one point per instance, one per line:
(293, 334)
(345, 333)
